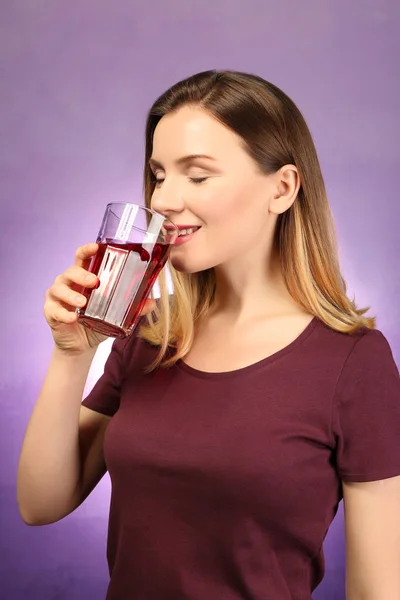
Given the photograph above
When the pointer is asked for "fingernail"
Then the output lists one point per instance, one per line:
(89, 277)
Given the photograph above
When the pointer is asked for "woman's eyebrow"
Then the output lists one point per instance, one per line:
(183, 160)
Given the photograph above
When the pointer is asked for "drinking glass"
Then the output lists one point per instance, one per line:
(134, 245)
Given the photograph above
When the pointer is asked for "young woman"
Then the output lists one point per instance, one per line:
(252, 400)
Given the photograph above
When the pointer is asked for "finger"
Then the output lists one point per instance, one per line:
(148, 307)
(60, 292)
(84, 254)
(77, 276)
(56, 314)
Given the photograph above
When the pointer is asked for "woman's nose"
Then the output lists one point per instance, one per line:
(167, 199)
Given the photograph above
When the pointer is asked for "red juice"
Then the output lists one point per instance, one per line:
(126, 272)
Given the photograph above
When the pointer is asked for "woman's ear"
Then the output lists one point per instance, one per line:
(287, 188)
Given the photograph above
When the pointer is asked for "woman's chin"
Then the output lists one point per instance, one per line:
(187, 266)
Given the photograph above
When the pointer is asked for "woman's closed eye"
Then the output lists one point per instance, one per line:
(157, 180)
(198, 180)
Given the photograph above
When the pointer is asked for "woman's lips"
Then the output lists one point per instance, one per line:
(182, 239)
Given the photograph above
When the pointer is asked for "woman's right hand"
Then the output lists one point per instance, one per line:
(64, 297)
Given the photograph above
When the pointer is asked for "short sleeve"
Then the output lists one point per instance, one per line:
(105, 395)
(366, 412)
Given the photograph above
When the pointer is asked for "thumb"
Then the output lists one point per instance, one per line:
(148, 307)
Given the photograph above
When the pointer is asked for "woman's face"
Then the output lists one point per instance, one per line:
(207, 180)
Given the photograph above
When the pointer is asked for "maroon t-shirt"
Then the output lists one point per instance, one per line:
(224, 484)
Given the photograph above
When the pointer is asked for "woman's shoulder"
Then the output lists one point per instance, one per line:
(362, 347)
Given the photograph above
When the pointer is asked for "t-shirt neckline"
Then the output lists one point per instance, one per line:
(254, 366)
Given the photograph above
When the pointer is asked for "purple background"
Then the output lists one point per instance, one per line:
(77, 78)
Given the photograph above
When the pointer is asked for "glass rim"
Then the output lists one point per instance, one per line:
(149, 210)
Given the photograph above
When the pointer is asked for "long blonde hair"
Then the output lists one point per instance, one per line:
(274, 133)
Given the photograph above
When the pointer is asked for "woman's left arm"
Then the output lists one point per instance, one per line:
(372, 525)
